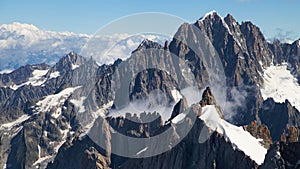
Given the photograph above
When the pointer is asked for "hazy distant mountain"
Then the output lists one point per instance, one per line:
(22, 44)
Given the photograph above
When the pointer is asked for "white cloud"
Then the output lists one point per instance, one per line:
(284, 36)
(22, 44)
(106, 49)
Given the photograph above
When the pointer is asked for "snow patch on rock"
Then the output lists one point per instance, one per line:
(176, 95)
(16, 122)
(74, 66)
(54, 100)
(79, 104)
(54, 75)
(37, 79)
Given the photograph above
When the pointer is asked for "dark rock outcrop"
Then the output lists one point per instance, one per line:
(290, 152)
(278, 117)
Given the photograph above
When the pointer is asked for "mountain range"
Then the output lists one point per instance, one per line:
(22, 44)
(225, 96)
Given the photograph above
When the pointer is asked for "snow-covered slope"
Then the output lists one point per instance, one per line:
(15, 123)
(36, 79)
(6, 71)
(55, 101)
(280, 85)
(239, 138)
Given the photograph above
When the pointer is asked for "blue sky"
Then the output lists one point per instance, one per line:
(275, 17)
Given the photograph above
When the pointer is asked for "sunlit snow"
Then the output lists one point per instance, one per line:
(74, 66)
(36, 79)
(79, 104)
(54, 100)
(54, 75)
(176, 95)
(179, 118)
(207, 15)
(141, 151)
(280, 85)
(6, 71)
(240, 138)
(15, 122)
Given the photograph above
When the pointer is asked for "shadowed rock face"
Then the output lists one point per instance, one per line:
(290, 152)
(153, 80)
(77, 155)
(180, 107)
(279, 117)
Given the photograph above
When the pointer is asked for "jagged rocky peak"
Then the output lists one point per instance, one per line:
(296, 48)
(229, 18)
(70, 62)
(250, 27)
(72, 57)
(234, 27)
(133, 125)
(148, 44)
(207, 98)
(298, 43)
(211, 23)
(210, 15)
(21, 74)
(75, 58)
(117, 62)
(254, 36)
(73, 69)
(256, 42)
(246, 37)
(166, 45)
